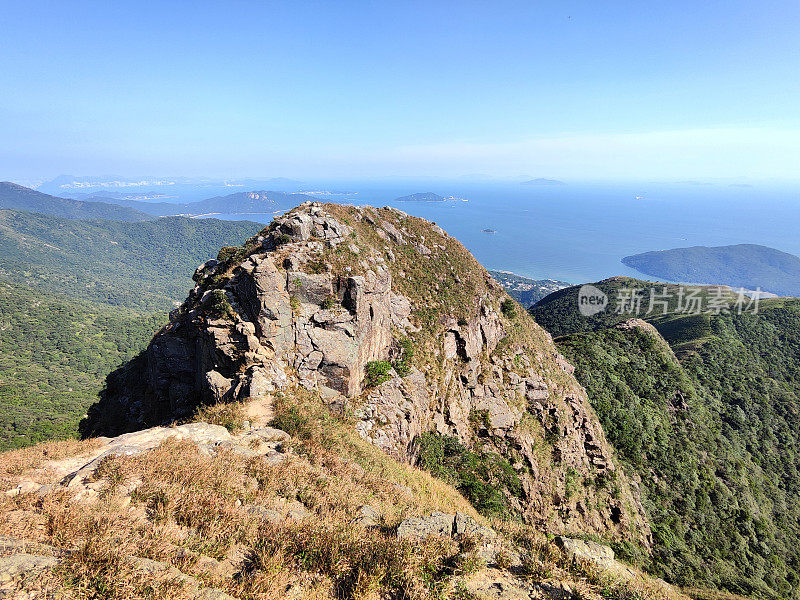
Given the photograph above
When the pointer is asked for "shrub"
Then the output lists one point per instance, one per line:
(227, 253)
(291, 421)
(483, 478)
(508, 308)
(377, 373)
(403, 364)
(281, 239)
(219, 306)
(329, 302)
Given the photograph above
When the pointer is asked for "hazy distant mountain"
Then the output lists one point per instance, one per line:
(257, 202)
(421, 197)
(17, 197)
(543, 181)
(186, 188)
(744, 265)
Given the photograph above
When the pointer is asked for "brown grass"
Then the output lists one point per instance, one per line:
(190, 511)
(230, 415)
(16, 462)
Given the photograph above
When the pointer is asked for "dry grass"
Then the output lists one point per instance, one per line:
(365, 474)
(200, 514)
(189, 509)
(16, 462)
(230, 415)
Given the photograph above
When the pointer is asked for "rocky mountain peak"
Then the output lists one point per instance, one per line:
(398, 328)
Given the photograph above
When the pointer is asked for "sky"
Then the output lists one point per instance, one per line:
(572, 90)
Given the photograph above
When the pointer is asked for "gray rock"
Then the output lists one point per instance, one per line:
(312, 289)
(218, 385)
(367, 517)
(435, 524)
(18, 565)
(467, 526)
(598, 554)
(271, 434)
(393, 233)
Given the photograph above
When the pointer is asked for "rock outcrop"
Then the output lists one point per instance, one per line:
(326, 290)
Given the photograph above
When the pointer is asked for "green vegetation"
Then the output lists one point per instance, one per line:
(219, 305)
(710, 422)
(558, 312)
(743, 265)
(78, 299)
(145, 266)
(402, 365)
(487, 480)
(17, 197)
(377, 372)
(54, 356)
(508, 308)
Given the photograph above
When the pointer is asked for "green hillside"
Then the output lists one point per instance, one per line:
(710, 424)
(17, 197)
(145, 265)
(79, 298)
(743, 265)
(54, 356)
(560, 315)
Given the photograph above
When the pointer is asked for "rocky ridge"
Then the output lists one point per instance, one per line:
(324, 292)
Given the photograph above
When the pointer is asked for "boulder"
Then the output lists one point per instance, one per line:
(601, 555)
(19, 565)
(367, 516)
(435, 524)
(464, 525)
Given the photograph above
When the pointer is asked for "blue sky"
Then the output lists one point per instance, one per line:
(574, 90)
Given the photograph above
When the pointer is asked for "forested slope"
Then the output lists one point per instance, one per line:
(712, 433)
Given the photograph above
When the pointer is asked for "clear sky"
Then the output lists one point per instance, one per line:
(577, 90)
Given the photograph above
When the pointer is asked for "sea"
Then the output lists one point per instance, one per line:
(572, 232)
(579, 233)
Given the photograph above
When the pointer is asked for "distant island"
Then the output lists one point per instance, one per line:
(543, 181)
(428, 197)
(487, 230)
(527, 291)
(748, 266)
(240, 203)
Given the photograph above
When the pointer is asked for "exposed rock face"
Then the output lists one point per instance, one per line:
(586, 550)
(327, 289)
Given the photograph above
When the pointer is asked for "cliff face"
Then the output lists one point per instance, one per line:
(325, 291)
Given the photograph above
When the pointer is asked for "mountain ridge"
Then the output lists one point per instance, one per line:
(17, 197)
(378, 310)
(702, 409)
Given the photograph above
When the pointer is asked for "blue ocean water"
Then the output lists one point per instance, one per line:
(579, 233)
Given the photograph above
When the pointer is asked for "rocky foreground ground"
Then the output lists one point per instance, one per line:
(199, 511)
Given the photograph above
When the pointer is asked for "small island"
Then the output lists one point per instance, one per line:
(487, 230)
(543, 181)
(747, 266)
